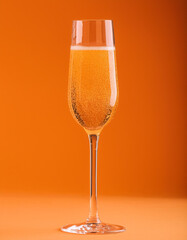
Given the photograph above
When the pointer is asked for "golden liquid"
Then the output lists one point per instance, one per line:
(93, 90)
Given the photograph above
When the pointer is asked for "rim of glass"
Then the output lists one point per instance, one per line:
(92, 20)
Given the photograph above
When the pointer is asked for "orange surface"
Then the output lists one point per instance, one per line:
(39, 218)
(42, 149)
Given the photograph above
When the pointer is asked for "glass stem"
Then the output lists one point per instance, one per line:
(93, 214)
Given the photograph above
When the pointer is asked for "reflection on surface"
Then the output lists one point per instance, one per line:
(40, 217)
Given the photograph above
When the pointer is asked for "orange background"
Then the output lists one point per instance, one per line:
(42, 149)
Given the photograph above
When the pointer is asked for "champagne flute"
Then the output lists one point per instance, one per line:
(93, 97)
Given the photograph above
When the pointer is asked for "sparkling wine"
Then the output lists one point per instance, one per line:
(93, 90)
(92, 98)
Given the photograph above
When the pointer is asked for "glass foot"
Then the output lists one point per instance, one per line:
(89, 228)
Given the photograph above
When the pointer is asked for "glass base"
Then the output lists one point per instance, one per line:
(90, 228)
